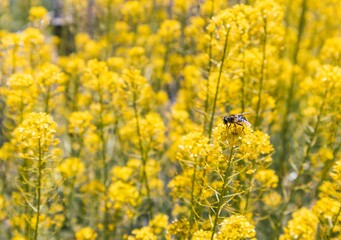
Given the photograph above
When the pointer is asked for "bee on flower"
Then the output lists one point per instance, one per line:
(236, 119)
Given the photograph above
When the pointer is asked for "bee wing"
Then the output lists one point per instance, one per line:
(247, 123)
(245, 120)
(244, 113)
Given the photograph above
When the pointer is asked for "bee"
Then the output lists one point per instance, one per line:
(236, 119)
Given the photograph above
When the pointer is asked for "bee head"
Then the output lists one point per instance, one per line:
(227, 119)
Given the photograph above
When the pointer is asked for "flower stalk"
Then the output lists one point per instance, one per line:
(222, 192)
(143, 155)
(261, 80)
(301, 167)
(218, 82)
(38, 191)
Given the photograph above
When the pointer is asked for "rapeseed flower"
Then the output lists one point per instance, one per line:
(86, 234)
(236, 227)
(303, 225)
(139, 90)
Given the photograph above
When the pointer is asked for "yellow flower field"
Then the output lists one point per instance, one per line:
(170, 119)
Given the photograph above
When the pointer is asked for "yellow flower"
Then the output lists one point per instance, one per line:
(80, 122)
(123, 173)
(327, 208)
(152, 131)
(159, 222)
(169, 31)
(6, 151)
(116, 63)
(137, 56)
(179, 228)
(236, 227)
(98, 78)
(133, 80)
(20, 81)
(201, 235)
(181, 184)
(11, 40)
(192, 148)
(37, 13)
(272, 199)
(133, 11)
(18, 237)
(323, 155)
(73, 65)
(303, 225)
(331, 50)
(94, 187)
(96, 68)
(18, 221)
(255, 145)
(81, 39)
(3, 205)
(71, 167)
(17, 99)
(35, 133)
(267, 178)
(182, 7)
(328, 75)
(50, 79)
(336, 172)
(32, 36)
(145, 233)
(121, 194)
(86, 233)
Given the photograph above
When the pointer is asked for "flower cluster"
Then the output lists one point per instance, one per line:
(34, 139)
(159, 119)
(302, 226)
(35, 135)
(236, 227)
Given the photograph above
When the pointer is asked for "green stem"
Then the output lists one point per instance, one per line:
(47, 100)
(191, 216)
(326, 170)
(213, 111)
(222, 192)
(260, 90)
(208, 70)
(159, 83)
(104, 162)
(193, 205)
(91, 17)
(243, 81)
(103, 152)
(102, 134)
(70, 198)
(144, 156)
(32, 62)
(301, 168)
(27, 209)
(21, 106)
(218, 83)
(286, 121)
(75, 94)
(108, 23)
(38, 189)
(334, 222)
(248, 193)
(14, 59)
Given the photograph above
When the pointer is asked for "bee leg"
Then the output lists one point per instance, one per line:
(231, 130)
(235, 129)
(242, 127)
(228, 126)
